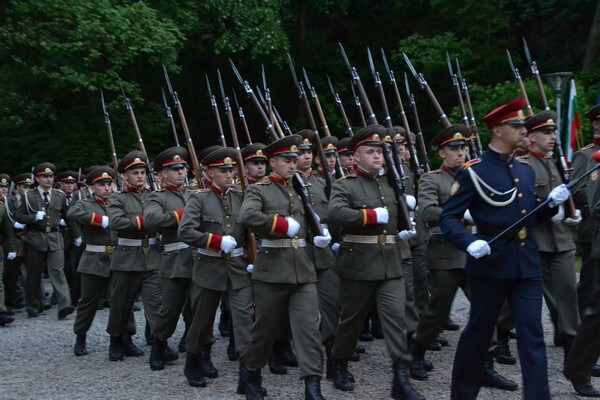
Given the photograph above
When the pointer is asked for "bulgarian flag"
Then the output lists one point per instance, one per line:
(573, 125)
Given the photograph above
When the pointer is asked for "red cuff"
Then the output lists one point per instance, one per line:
(178, 214)
(139, 221)
(369, 217)
(279, 226)
(96, 219)
(214, 241)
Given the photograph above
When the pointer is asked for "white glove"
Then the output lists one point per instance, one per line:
(411, 202)
(383, 215)
(468, 218)
(228, 243)
(575, 220)
(11, 255)
(335, 247)
(40, 215)
(479, 248)
(322, 241)
(293, 227)
(78, 241)
(250, 268)
(408, 233)
(104, 222)
(18, 225)
(559, 216)
(558, 195)
(62, 222)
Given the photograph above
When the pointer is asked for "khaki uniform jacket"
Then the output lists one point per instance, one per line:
(73, 231)
(589, 225)
(434, 191)
(206, 215)
(262, 203)
(350, 197)
(161, 215)
(550, 236)
(8, 239)
(10, 206)
(422, 231)
(323, 258)
(42, 235)
(124, 210)
(88, 215)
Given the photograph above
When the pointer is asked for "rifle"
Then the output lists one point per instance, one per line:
(340, 107)
(215, 108)
(250, 240)
(129, 108)
(268, 102)
(81, 186)
(536, 74)
(461, 104)
(358, 105)
(186, 131)
(170, 117)
(298, 183)
(419, 134)
(394, 163)
(111, 141)
(473, 123)
(520, 83)
(242, 117)
(311, 122)
(279, 122)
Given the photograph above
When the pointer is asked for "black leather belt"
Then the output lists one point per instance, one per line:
(46, 229)
(513, 234)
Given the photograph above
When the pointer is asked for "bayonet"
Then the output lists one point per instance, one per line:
(111, 140)
(215, 108)
(520, 83)
(170, 116)
(461, 103)
(340, 107)
(242, 117)
(472, 121)
(536, 74)
(361, 90)
(387, 120)
(358, 105)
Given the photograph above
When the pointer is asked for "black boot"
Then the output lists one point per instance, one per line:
(365, 335)
(5, 319)
(417, 367)
(341, 376)
(115, 351)
(276, 363)
(567, 344)
(243, 378)
(586, 390)
(491, 378)
(231, 351)
(596, 371)
(502, 353)
(435, 346)
(79, 348)
(360, 349)
(157, 355)
(289, 358)
(206, 365)
(192, 370)
(451, 325)
(329, 365)
(170, 354)
(253, 386)
(443, 341)
(376, 328)
(181, 345)
(130, 349)
(312, 388)
(402, 388)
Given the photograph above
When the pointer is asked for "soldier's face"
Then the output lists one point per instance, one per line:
(222, 178)
(255, 169)
(135, 177)
(3, 190)
(174, 176)
(402, 151)
(596, 125)
(45, 181)
(21, 189)
(102, 189)
(285, 167)
(526, 143)
(305, 158)
(544, 140)
(330, 161)
(68, 187)
(347, 160)
(511, 135)
(453, 156)
(369, 158)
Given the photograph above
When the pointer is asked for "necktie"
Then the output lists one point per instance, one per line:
(68, 201)
(46, 200)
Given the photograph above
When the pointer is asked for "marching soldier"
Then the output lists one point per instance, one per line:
(368, 262)
(8, 242)
(135, 260)
(498, 189)
(163, 210)
(94, 266)
(346, 156)
(255, 163)
(43, 210)
(554, 237)
(4, 184)
(284, 277)
(211, 225)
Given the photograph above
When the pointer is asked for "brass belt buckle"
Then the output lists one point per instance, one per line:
(382, 239)
(109, 249)
(145, 242)
(295, 243)
(522, 233)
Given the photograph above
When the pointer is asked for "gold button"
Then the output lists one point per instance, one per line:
(510, 166)
(290, 194)
(227, 216)
(522, 244)
(229, 226)
(266, 251)
(492, 194)
(520, 195)
(384, 232)
(516, 180)
(523, 212)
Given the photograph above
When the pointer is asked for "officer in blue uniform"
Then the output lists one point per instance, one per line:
(498, 189)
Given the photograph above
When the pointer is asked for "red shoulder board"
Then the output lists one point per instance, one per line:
(589, 146)
(435, 171)
(203, 190)
(471, 162)
(235, 189)
(263, 182)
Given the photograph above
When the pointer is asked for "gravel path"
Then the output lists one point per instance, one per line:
(38, 363)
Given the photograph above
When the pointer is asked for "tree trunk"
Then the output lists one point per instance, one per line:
(593, 43)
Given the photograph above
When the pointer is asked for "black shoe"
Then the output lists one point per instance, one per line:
(243, 378)
(253, 386)
(157, 355)
(417, 366)
(19, 304)
(170, 354)
(596, 371)
(192, 370)
(312, 388)
(376, 329)
(62, 314)
(32, 314)
(206, 365)
(341, 376)
(402, 388)
(360, 349)
(442, 341)
(435, 346)
(46, 307)
(503, 354)
(428, 365)
(5, 319)
(115, 352)
(231, 351)
(354, 357)
(451, 325)
(491, 377)
(79, 348)
(276, 362)
(365, 334)
(100, 307)
(586, 390)
(130, 349)
(9, 311)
